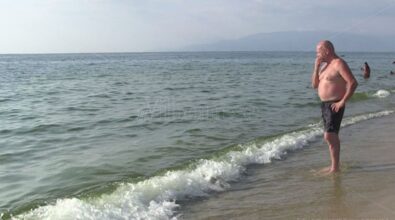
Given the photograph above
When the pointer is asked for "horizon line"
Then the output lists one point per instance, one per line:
(181, 51)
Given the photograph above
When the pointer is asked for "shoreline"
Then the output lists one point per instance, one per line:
(289, 189)
(369, 151)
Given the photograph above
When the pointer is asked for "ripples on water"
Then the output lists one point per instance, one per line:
(76, 124)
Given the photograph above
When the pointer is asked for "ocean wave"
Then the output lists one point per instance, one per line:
(5, 100)
(361, 96)
(158, 196)
(356, 97)
(381, 93)
(44, 128)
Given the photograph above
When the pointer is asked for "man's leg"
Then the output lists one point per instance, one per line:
(334, 147)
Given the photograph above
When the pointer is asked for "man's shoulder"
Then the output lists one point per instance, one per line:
(339, 62)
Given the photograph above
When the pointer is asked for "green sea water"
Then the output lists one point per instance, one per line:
(129, 135)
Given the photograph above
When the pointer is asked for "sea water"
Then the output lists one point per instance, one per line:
(135, 135)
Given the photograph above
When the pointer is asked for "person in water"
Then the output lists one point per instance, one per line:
(366, 70)
(335, 84)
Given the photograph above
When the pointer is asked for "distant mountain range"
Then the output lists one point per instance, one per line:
(301, 41)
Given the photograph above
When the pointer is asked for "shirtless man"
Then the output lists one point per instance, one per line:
(336, 84)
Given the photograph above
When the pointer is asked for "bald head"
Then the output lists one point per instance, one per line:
(327, 45)
(325, 50)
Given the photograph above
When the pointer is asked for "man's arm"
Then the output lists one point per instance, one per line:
(351, 84)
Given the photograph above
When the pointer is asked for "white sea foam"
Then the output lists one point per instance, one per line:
(155, 198)
(359, 118)
(382, 93)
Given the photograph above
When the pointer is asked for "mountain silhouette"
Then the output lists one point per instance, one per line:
(301, 41)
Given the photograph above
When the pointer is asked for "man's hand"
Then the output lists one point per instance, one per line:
(317, 65)
(337, 106)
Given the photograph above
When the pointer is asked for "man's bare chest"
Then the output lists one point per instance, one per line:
(330, 74)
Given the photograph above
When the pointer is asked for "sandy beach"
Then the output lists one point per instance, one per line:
(290, 189)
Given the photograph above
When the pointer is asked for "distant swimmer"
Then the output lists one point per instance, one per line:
(366, 70)
(392, 72)
(336, 84)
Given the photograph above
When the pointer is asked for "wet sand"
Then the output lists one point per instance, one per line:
(291, 188)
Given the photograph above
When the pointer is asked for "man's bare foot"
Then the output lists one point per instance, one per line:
(334, 170)
(326, 171)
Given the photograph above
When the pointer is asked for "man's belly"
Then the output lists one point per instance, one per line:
(331, 91)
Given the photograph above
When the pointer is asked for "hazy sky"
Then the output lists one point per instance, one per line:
(46, 26)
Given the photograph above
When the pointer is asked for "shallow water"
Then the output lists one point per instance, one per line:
(80, 130)
(292, 189)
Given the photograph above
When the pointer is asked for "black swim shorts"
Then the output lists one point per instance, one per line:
(332, 120)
